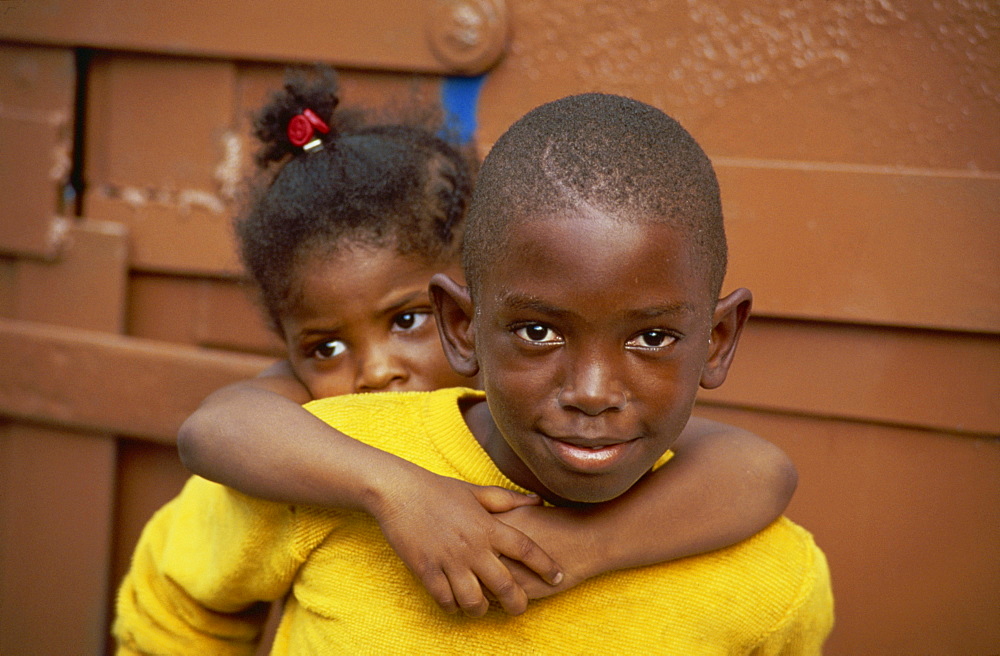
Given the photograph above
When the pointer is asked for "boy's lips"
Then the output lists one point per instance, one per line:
(592, 456)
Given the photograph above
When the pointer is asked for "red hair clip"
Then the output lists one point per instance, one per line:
(303, 127)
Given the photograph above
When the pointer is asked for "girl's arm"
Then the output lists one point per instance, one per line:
(723, 485)
(255, 437)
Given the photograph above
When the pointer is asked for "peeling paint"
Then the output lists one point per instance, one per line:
(184, 200)
(228, 172)
(201, 199)
(56, 239)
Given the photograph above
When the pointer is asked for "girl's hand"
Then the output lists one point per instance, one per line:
(444, 532)
(565, 534)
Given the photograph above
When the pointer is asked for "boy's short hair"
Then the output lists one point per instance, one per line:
(619, 156)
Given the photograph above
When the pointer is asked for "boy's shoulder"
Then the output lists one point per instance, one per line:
(772, 586)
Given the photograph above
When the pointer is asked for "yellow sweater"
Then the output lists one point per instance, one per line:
(207, 556)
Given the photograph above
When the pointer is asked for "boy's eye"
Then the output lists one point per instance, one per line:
(538, 334)
(409, 320)
(330, 349)
(651, 339)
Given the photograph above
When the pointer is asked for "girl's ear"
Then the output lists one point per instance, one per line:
(730, 316)
(453, 311)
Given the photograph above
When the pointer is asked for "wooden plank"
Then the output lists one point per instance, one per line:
(36, 78)
(910, 522)
(156, 126)
(56, 494)
(439, 36)
(927, 379)
(30, 184)
(60, 539)
(36, 119)
(875, 83)
(882, 246)
(158, 228)
(199, 312)
(85, 287)
(146, 388)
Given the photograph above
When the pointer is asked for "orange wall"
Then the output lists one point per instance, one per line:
(859, 156)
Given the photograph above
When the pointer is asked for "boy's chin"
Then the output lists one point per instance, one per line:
(585, 495)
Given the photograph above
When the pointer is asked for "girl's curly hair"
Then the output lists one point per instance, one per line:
(399, 185)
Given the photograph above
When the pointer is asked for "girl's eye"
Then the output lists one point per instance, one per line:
(330, 349)
(537, 333)
(409, 320)
(651, 339)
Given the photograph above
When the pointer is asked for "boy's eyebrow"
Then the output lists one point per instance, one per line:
(516, 301)
(670, 309)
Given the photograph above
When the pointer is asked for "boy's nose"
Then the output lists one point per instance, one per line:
(593, 387)
(379, 372)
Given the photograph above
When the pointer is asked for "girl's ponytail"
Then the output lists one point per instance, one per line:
(298, 118)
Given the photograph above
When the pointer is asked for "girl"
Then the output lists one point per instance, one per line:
(341, 243)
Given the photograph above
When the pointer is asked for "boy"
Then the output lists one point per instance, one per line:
(594, 254)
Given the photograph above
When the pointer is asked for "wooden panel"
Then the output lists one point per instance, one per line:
(910, 522)
(59, 535)
(8, 278)
(36, 117)
(85, 287)
(444, 36)
(146, 388)
(928, 379)
(198, 311)
(156, 127)
(56, 492)
(156, 228)
(874, 83)
(163, 308)
(865, 245)
(228, 318)
(36, 79)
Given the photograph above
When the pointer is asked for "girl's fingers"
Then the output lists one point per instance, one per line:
(468, 593)
(498, 499)
(512, 543)
(438, 586)
(496, 578)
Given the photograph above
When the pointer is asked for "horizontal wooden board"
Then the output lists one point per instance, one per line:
(927, 379)
(882, 246)
(199, 312)
(131, 386)
(875, 83)
(85, 287)
(167, 237)
(910, 522)
(442, 36)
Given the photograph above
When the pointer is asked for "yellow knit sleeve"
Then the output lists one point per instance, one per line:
(809, 618)
(205, 567)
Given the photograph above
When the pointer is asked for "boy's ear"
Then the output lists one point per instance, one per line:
(453, 311)
(730, 316)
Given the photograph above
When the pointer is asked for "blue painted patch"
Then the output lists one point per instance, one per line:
(459, 98)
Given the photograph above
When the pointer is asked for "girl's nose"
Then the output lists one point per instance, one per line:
(379, 371)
